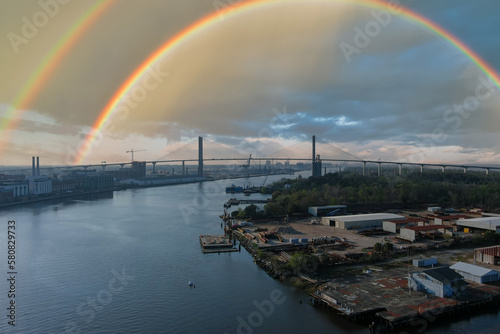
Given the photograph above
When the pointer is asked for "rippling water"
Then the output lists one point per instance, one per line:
(121, 265)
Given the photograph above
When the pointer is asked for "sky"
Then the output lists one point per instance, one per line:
(367, 82)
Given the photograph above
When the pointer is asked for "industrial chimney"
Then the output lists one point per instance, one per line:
(33, 166)
(38, 166)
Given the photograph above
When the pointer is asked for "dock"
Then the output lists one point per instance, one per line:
(234, 201)
(384, 298)
(216, 244)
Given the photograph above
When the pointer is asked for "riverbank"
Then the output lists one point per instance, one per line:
(341, 277)
(124, 186)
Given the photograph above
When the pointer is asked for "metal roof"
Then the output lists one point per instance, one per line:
(484, 223)
(369, 216)
(444, 274)
(452, 217)
(428, 227)
(340, 206)
(409, 220)
(473, 269)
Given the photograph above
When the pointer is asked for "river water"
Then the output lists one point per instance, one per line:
(122, 265)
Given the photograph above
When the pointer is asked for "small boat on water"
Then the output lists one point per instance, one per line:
(190, 283)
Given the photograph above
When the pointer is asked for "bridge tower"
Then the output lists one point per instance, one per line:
(316, 161)
(200, 156)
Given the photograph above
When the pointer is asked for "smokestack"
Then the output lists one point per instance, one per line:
(33, 166)
(38, 166)
(200, 156)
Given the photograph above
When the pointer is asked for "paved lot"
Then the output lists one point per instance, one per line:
(304, 229)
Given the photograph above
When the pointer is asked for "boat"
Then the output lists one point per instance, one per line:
(190, 283)
(234, 189)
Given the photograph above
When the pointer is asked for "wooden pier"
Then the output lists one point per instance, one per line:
(216, 244)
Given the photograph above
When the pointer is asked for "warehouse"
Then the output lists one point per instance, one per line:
(416, 232)
(425, 262)
(489, 255)
(441, 282)
(475, 273)
(329, 210)
(395, 225)
(479, 225)
(449, 220)
(371, 220)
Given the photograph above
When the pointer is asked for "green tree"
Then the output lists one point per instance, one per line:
(303, 262)
(387, 248)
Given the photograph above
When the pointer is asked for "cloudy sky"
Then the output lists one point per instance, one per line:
(260, 81)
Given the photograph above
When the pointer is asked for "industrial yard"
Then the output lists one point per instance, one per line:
(351, 239)
(364, 284)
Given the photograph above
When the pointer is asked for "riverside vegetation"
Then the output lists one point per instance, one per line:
(450, 189)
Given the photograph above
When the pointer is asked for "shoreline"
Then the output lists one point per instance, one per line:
(181, 180)
(93, 192)
(392, 306)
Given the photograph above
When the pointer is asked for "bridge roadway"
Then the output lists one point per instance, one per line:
(364, 162)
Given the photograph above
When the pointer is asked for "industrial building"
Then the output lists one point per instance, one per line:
(14, 189)
(328, 210)
(441, 282)
(449, 220)
(489, 255)
(395, 225)
(414, 233)
(426, 262)
(475, 273)
(479, 225)
(371, 220)
(38, 184)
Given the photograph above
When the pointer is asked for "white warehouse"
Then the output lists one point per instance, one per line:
(475, 273)
(480, 224)
(352, 222)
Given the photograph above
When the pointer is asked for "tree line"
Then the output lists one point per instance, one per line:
(450, 189)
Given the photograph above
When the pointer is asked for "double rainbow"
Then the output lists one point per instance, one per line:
(213, 19)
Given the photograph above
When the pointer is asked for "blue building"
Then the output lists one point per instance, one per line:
(440, 282)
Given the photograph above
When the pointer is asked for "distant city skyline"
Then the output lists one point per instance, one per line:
(255, 78)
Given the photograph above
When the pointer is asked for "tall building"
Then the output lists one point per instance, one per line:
(140, 168)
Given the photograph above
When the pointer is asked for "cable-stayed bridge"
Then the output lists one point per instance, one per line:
(315, 160)
(287, 155)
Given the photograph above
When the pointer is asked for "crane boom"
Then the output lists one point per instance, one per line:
(132, 151)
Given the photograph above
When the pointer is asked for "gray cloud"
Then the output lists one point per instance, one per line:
(226, 80)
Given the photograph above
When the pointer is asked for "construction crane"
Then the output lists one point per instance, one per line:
(132, 151)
